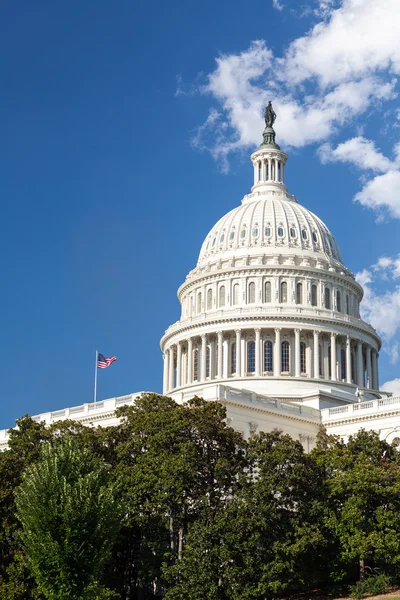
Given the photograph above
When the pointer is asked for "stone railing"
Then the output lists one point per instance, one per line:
(350, 411)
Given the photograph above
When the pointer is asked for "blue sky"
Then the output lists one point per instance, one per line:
(126, 130)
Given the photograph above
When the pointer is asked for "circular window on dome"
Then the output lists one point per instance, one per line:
(292, 232)
(232, 235)
(243, 234)
(314, 236)
(304, 234)
(255, 232)
(221, 239)
(280, 231)
(268, 232)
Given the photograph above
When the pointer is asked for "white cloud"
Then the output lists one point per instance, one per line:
(359, 151)
(277, 5)
(392, 386)
(382, 195)
(382, 308)
(340, 70)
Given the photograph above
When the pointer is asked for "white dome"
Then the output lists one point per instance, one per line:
(271, 221)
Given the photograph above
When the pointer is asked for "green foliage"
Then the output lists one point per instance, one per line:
(69, 519)
(370, 586)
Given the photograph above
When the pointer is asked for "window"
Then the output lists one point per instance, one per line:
(338, 301)
(243, 234)
(268, 357)
(315, 237)
(208, 361)
(233, 358)
(283, 291)
(267, 291)
(327, 298)
(221, 239)
(235, 294)
(209, 299)
(251, 357)
(353, 367)
(195, 364)
(304, 234)
(222, 295)
(280, 231)
(199, 302)
(267, 232)
(252, 293)
(255, 232)
(214, 240)
(303, 365)
(232, 235)
(299, 293)
(314, 299)
(285, 357)
(343, 364)
(292, 232)
(347, 305)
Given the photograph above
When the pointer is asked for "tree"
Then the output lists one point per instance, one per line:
(69, 517)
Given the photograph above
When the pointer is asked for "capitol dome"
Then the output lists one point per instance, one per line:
(270, 307)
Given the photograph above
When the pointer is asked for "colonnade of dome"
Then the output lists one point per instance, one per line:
(270, 306)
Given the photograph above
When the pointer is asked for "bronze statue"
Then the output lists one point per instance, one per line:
(269, 115)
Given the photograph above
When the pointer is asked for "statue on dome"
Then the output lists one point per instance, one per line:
(269, 115)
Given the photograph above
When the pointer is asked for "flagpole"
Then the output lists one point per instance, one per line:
(95, 376)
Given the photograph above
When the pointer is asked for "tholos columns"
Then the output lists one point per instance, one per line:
(348, 359)
(179, 364)
(333, 357)
(297, 353)
(369, 368)
(165, 373)
(190, 361)
(220, 355)
(360, 365)
(316, 354)
(238, 352)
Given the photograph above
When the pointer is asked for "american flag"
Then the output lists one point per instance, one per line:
(103, 362)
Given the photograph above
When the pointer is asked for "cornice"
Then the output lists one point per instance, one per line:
(260, 409)
(364, 417)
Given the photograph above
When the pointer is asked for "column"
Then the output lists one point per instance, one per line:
(179, 365)
(165, 374)
(369, 368)
(348, 359)
(225, 364)
(220, 355)
(316, 354)
(258, 349)
(255, 173)
(333, 357)
(297, 353)
(360, 365)
(374, 369)
(238, 352)
(277, 353)
(212, 359)
(171, 383)
(269, 169)
(203, 357)
(190, 361)
(276, 170)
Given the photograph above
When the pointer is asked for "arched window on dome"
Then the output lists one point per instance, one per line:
(233, 358)
(283, 291)
(222, 295)
(347, 305)
(303, 363)
(338, 301)
(299, 293)
(327, 298)
(285, 357)
(267, 291)
(251, 357)
(268, 357)
(209, 299)
(196, 364)
(208, 361)
(329, 362)
(343, 364)
(252, 292)
(314, 295)
(198, 308)
(235, 294)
